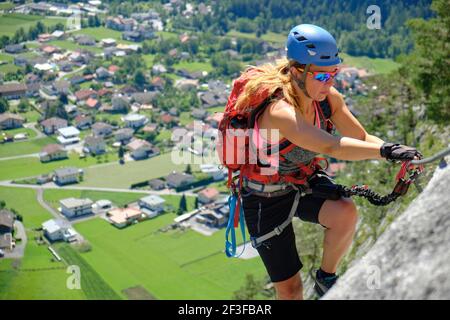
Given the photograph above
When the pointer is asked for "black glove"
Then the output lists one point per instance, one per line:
(395, 151)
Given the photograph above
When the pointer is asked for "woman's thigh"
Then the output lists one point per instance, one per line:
(279, 253)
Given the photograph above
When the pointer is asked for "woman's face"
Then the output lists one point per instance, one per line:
(317, 90)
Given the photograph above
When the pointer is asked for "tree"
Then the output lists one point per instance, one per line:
(139, 79)
(121, 152)
(250, 289)
(188, 169)
(2, 204)
(182, 208)
(4, 105)
(23, 105)
(196, 203)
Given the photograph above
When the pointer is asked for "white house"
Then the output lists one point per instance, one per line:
(208, 195)
(55, 230)
(141, 149)
(135, 120)
(124, 135)
(68, 135)
(94, 145)
(67, 175)
(72, 207)
(152, 205)
(213, 170)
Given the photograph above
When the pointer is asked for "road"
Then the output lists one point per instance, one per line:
(8, 183)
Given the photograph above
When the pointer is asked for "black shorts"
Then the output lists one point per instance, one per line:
(262, 215)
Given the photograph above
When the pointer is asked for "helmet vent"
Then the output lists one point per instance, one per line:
(299, 37)
(310, 46)
(324, 57)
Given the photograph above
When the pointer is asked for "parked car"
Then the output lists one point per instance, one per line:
(2, 254)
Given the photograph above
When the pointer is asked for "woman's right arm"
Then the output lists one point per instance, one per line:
(294, 128)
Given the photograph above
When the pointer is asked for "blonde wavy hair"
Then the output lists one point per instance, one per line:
(270, 78)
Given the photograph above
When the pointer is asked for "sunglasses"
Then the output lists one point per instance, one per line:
(321, 75)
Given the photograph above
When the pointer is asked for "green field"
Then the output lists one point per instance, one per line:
(269, 37)
(24, 201)
(72, 46)
(101, 33)
(29, 167)
(30, 132)
(35, 276)
(6, 5)
(122, 176)
(374, 65)
(172, 265)
(9, 23)
(24, 147)
(194, 66)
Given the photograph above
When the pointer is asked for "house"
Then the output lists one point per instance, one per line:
(124, 135)
(186, 84)
(83, 121)
(73, 207)
(158, 83)
(119, 23)
(44, 37)
(214, 119)
(6, 221)
(211, 219)
(211, 99)
(101, 129)
(92, 103)
(151, 127)
(102, 73)
(68, 135)
(199, 114)
(108, 42)
(94, 145)
(52, 152)
(159, 69)
(119, 104)
(113, 68)
(56, 230)
(13, 90)
(144, 97)
(141, 149)
(85, 94)
(176, 179)
(212, 170)
(67, 175)
(76, 80)
(102, 205)
(157, 184)
(15, 48)
(132, 36)
(49, 49)
(152, 205)
(134, 120)
(208, 195)
(6, 230)
(51, 125)
(84, 40)
(10, 121)
(61, 86)
(123, 217)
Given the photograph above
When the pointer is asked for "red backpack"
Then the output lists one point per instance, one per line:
(235, 147)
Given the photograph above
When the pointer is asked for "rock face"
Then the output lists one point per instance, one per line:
(411, 259)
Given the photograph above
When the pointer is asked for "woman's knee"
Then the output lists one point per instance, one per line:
(290, 289)
(341, 214)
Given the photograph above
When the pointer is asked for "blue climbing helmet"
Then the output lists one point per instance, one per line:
(310, 44)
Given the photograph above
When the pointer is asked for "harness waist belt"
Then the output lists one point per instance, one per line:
(255, 186)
